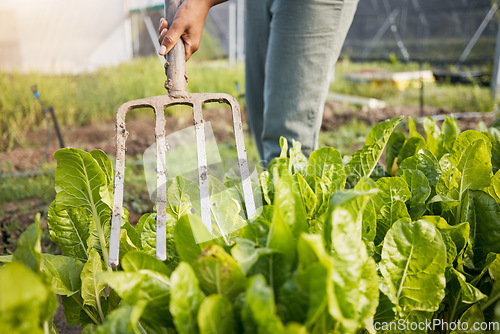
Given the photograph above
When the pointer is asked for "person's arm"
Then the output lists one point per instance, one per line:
(187, 24)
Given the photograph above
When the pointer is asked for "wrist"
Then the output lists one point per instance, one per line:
(215, 2)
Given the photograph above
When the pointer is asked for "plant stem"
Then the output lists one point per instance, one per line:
(91, 316)
(102, 240)
(99, 308)
(490, 302)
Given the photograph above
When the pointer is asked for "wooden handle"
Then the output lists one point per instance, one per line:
(175, 67)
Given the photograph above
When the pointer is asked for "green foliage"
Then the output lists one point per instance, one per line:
(337, 248)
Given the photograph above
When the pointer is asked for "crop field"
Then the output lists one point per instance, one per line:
(391, 226)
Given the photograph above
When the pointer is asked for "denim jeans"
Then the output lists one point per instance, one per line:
(291, 47)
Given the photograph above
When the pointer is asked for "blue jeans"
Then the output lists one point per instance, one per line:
(291, 47)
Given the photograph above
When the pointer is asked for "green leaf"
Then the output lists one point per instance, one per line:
(69, 229)
(65, 273)
(26, 303)
(461, 290)
(123, 320)
(458, 233)
(219, 273)
(267, 186)
(215, 316)
(451, 248)
(288, 222)
(389, 204)
(29, 247)
(313, 276)
(185, 241)
(288, 204)
(257, 229)
(411, 146)
(298, 161)
(295, 328)
(308, 196)
(247, 253)
(147, 231)
(469, 318)
(326, 163)
(107, 167)
(81, 183)
(388, 215)
(143, 285)
(292, 300)
(6, 258)
(92, 286)
(494, 272)
(394, 145)
(386, 312)
(186, 299)
(494, 189)
(225, 210)
(425, 162)
(364, 161)
(178, 196)
(413, 267)
(483, 214)
(126, 244)
(353, 291)
(472, 157)
(391, 189)
(432, 133)
(136, 261)
(420, 191)
(369, 224)
(464, 140)
(259, 310)
(449, 133)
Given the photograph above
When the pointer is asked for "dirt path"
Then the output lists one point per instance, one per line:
(141, 132)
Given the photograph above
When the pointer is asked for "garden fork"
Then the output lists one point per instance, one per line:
(176, 84)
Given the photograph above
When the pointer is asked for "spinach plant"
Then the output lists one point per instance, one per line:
(336, 248)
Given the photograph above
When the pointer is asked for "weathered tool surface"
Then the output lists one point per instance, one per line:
(176, 85)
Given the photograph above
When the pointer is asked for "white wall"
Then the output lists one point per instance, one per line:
(63, 36)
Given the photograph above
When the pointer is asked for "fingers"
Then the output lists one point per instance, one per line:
(162, 31)
(190, 49)
(168, 37)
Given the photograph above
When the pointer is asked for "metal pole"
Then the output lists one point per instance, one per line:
(421, 66)
(477, 34)
(394, 29)
(153, 35)
(495, 76)
(240, 39)
(380, 32)
(56, 126)
(232, 33)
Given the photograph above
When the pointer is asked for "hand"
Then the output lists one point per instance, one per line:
(187, 24)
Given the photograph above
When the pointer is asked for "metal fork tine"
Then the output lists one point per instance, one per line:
(121, 137)
(159, 103)
(199, 126)
(161, 185)
(242, 158)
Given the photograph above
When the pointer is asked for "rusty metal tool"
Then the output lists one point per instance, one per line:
(176, 84)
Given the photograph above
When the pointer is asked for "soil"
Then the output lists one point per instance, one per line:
(141, 136)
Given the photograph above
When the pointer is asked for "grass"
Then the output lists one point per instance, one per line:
(94, 97)
(473, 97)
(347, 139)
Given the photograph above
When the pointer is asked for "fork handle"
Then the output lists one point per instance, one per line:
(175, 67)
